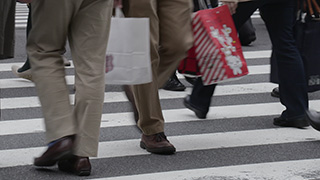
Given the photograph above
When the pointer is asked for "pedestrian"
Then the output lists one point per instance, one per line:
(170, 39)
(7, 28)
(279, 19)
(246, 36)
(72, 132)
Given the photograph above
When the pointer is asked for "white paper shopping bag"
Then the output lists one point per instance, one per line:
(128, 52)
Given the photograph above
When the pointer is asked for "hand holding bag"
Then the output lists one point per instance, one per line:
(128, 53)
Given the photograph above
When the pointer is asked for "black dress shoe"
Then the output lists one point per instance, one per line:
(199, 113)
(173, 84)
(314, 119)
(61, 149)
(80, 166)
(275, 92)
(296, 122)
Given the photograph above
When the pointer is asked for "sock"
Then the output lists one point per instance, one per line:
(53, 142)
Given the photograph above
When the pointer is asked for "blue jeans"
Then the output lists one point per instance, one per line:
(279, 19)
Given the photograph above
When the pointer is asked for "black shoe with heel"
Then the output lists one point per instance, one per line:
(199, 113)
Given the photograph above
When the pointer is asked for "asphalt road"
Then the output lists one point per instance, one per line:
(236, 142)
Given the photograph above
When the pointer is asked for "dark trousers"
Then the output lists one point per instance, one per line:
(26, 65)
(279, 19)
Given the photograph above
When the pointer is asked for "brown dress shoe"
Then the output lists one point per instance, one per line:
(78, 165)
(59, 150)
(157, 143)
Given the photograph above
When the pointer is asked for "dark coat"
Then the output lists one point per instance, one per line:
(7, 28)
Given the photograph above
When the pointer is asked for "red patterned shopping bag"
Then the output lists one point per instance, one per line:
(217, 48)
(189, 66)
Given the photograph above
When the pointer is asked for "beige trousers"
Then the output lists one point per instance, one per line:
(85, 23)
(170, 38)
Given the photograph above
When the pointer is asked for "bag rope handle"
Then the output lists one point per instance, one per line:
(316, 6)
(309, 8)
(313, 5)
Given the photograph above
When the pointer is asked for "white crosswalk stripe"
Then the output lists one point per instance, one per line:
(199, 142)
(252, 171)
(236, 141)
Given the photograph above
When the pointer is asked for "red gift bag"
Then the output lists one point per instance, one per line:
(217, 49)
(189, 66)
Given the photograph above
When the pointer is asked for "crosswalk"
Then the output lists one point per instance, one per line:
(21, 15)
(237, 141)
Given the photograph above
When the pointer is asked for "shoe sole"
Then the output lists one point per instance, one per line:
(275, 95)
(83, 173)
(300, 125)
(68, 170)
(62, 156)
(164, 150)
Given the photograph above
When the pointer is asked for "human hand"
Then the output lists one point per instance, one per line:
(232, 5)
(117, 4)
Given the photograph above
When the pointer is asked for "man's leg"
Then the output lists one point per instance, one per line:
(88, 37)
(46, 41)
(200, 99)
(244, 11)
(146, 96)
(176, 36)
(280, 19)
(151, 120)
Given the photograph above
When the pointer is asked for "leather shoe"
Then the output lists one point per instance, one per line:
(199, 113)
(293, 122)
(314, 119)
(173, 84)
(61, 149)
(275, 92)
(157, 143)
(80, 166)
